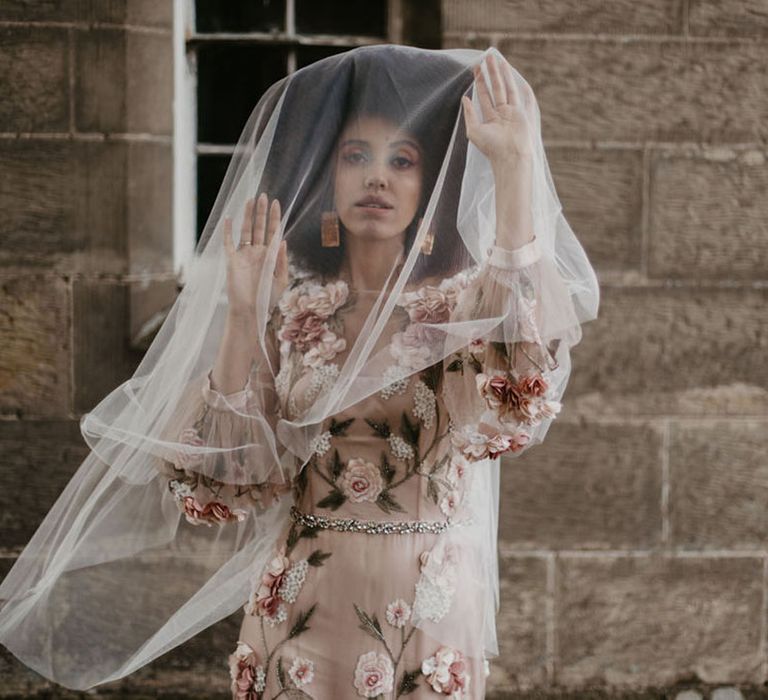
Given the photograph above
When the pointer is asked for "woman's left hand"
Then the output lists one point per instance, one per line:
(503, 132)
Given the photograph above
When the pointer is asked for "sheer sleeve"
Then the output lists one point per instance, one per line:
(504, 388)
(230, 462)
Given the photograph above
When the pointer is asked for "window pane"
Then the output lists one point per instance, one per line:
(231, 79)
(210, 174)
(339, 17)
(240, 15)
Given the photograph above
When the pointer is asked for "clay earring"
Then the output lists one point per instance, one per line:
(429, 239)
(329, 229)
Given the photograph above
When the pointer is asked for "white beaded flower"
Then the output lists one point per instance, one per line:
(424, 404)
(433, 599)
(293, 580)
(322, 380)
(394, 384)
(281, 615)
(400, 448)
(302, 671)
(321, 444)
(398, 613)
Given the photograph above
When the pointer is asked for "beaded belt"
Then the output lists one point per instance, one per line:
(373, 527)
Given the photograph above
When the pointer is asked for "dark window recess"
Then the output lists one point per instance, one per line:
(231, 79)
(356, 18)
(210, 174)
(240, 15)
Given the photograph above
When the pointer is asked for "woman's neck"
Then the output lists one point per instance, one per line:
(367, 263)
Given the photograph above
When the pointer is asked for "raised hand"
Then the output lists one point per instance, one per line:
(246, 262)
(504, 129)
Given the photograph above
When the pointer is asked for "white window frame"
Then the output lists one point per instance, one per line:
(185, 146)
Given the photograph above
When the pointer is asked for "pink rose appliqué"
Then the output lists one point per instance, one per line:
(361, 481)
(266, 600)
(374, 674)
(446, 673)
(247, 674)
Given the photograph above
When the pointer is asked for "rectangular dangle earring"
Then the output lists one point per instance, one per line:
(429, 239)
(329, 229)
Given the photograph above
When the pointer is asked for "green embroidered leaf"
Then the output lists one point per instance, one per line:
(340, 427)
(475, 364)
(308, 532)
(318, 557)
(337, 465)
(410, 431)
(431, 375)
(439, 464)
(408, 682)
(369, 624)
(432, 490)
(386, 469)
(292, 539)
(381, 429)
(388, 504)
(280, 672)
(334, 500)
(455, 366)
(301, 622)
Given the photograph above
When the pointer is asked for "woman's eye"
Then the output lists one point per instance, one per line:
(402, 162)
(355, 157)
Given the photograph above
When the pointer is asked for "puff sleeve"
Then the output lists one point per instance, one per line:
(505, 387)
(227, 460)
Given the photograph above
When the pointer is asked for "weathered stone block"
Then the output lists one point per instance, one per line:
(576, 16)
(34, 71)
(647, 620)
(64, 205)
(652, 346)
(708, 214)
(636, 90)
(124, 82)
(521, 624)
(587, 486)
(732, 18)
(39, 457)
(149, 207)
(35, 363)
(103, 358)
(601, 194)
(719, 484)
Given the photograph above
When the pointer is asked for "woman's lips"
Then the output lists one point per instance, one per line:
(374, 209)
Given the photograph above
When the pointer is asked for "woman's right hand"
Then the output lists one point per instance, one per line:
(246, 262)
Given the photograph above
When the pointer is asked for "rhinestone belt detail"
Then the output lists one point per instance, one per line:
(373, 527)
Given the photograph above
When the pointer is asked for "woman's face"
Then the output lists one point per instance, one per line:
(378, 178)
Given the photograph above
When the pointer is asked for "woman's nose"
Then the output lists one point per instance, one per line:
(374, 180)
(375, 176)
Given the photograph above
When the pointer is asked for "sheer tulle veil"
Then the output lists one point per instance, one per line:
(116, 575)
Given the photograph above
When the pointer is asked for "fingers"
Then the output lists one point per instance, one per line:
(274, 220)
(497, 81)
(246, 228)
(470, 116)
(483, 95)
(260, 224)
(229, 244)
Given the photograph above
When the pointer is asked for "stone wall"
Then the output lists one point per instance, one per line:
(633, 541)
(85, 235)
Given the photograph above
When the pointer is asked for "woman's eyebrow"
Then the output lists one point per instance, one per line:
(360, 142)
(406, 142)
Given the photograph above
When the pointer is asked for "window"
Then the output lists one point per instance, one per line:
(212, 102)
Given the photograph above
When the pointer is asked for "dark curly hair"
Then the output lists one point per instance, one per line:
(383, 81)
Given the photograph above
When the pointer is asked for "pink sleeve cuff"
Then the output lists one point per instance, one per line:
(225, 402)
(514, 259)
